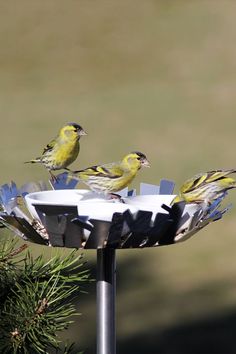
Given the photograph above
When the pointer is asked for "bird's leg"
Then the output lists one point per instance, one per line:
(53, 177)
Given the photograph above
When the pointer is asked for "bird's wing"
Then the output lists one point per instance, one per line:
(204, 178)
(108, 170)
(216, 175)
(49, 146)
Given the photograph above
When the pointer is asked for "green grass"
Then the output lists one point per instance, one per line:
(154, 76)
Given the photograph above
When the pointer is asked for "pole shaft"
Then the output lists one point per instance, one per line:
(106, 290)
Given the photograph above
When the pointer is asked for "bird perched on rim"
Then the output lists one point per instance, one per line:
(62, 150)
(112, 177)
(206, 187)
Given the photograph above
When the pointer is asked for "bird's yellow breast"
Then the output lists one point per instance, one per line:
(65, 154)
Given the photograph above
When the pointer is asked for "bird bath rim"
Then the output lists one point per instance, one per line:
(96, 206)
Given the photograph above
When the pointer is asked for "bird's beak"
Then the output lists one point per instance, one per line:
(146, 163)
(82, 132)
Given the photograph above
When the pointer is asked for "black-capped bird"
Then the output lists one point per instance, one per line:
(63, 150)
(112, 177)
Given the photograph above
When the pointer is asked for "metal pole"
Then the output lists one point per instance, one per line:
(106, 291)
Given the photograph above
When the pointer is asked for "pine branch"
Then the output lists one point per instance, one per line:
(38, 303)
(9, 262)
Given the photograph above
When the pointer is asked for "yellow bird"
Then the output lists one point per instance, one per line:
(206, 187)
(112, 177)
(63, 150)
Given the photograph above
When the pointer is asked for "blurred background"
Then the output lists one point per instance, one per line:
(155, 76)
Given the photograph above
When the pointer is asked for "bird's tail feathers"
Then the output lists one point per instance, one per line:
(73, 175)
(177, 199)
(37, 160)
(75, 172)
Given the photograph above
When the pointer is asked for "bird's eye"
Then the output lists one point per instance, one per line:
(139, 158)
